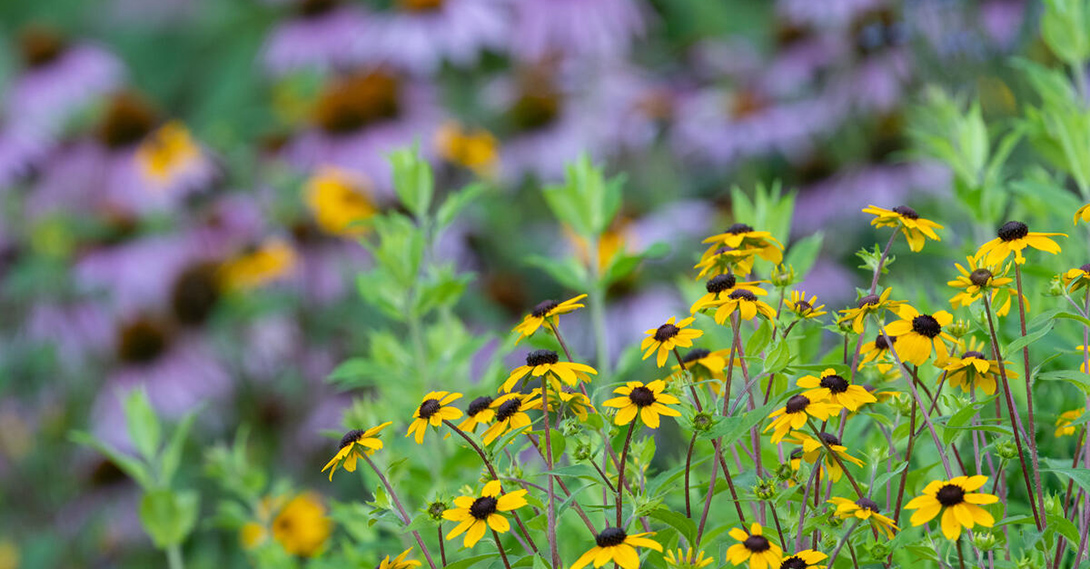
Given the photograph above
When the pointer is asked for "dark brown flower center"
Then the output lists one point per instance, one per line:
(1012, 230)
(743, 294)
(641, 396)
(129, 118)
(483, 507)
(544, 308)
(803, 306)
(757, 543)
(834, 383)
(793, 563)
(350, 437)
(797, 453)
(926, 325)
(980, 277)
(195, 293)
(541, 357)
(883, 342)
(738, 228)
(428, 408)
(829, 438)
(972, 354)
(695, 354)
(720, 283)
(40, 46)
(867, 504)
(421, 5)
(869, 300)
(358, 101)
(796, 404)
(665, 332)
(906, 212)
(508, 408)
(950, 495)
(479, 404)
(535, 110)
(315, 8)
(1085, 268)
(610, 537)
(141, 342)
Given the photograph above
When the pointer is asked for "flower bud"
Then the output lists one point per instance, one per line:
(1006, 449)
(959, 328)
(765, 489)
(782, 276)
(984, 540)
(1056, 287)
(703, 421)
(435, 510)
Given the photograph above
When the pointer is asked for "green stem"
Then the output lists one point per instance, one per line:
(174, 557)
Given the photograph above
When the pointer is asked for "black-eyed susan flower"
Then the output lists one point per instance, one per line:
(339, 200)
(718, 260)
(399, 562)
(479, 412)
(812, 449)
(433, 410)
(272, 260)
(746, 304)
(835, 389)
(510, 414)
(687, 559)
(613, 544)
(869, 304)
(1013, 237)
(918, 335)
(302, 527)
(973, 369)
(804, 308)
(477, 515)
(354, 443)
(754, 547)
(577, 403)
(1082, 213)
(742, 236)
(546, 311)
(958, 501)
(475, 149)
(667, 337)
(547, 363)
(794, 414)
(1064, 426)
(1077, 278)
(917, 230)
(977, 279)
(168, 154)
(878, 350)
(867, 510)
(647, 401)
(803, 559)
(706, 364)
(720, 287)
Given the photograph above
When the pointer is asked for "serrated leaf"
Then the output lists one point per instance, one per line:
(678, 521)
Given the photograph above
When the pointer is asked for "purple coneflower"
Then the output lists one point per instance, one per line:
(419, 35)
(322, 34)
(576, 28)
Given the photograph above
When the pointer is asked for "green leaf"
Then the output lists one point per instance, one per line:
(1026, 340)
(804, 253)
(469, 561)
(172, 454)
(1074, 377)
(732, 428)
(1062, 526)
(760, 338)
(956, 421)
(1080, 476)
(132, 467)
(412, 180)
(678, 521)
(143, 424)
(168, 516)
(568, 272)
(456, 202)
(778, 358)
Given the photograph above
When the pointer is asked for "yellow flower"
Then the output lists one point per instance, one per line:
(476, 149)
(167, 153)
(1064, 427)
(477, 515)
(1014, 236)
(613, 544)
(754, 547)
(920, 334)
(978, 279)
(720, 260)
(667, 337)
(541, 362)
(510, 414)
(687, 559)
(546, 311)
(747, 304)
(399, 562)
(803, 559)
(877, 350)
(578, 403)
(433, 410)
(835, 389)
(867, 510)
(1075, 279)
(805, 308)
(1082, 213)
(720, 287)
(479, 412)
(302, 527)
(870, 304)
(353, 444)
(812, 449)
(958, 501)
(339, 199)
(742, 236)
(9, 554)
(973, 368)
(611, 244)
(916, 229)
(647, 401)
(271, 261)
(705, 364)
(794, 414)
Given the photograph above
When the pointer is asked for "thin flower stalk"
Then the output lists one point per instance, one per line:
(843, 541)
(805, 500)
(499, 546)
(550, 507)
(401, 509)
(1031, 434)
(620, 471)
